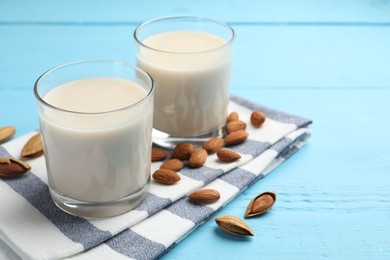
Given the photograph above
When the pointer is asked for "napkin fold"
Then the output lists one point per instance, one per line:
(33, 227)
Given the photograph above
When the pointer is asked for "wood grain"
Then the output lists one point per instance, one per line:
(324, 60)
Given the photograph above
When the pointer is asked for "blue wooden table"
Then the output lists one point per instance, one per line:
(326, 60)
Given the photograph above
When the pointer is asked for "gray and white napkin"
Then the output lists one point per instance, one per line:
(33, 227)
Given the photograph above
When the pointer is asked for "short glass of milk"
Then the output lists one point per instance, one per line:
(96, 123)
(190, 60)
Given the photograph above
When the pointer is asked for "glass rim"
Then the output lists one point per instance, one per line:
(198, 18)
(42, 101)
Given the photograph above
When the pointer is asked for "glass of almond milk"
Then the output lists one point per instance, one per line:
(190, 60)
(96, 122)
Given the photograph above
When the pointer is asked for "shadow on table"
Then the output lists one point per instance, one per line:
(222, 234)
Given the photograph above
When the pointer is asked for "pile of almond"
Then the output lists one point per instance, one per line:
(196, 157)
(10, 167)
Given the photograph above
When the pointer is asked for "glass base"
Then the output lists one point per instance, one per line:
(99, 209)
(170, 141)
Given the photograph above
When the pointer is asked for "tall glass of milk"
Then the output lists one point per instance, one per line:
(190, 60)
(96, 122)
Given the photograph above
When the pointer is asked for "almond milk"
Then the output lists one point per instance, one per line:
(192, 71)
(96, 155)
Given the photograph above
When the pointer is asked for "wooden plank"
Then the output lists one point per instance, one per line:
(234, 11)
(265, 56)
(17, 108)
(312, 56)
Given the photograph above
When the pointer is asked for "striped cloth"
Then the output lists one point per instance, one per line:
(33, 227)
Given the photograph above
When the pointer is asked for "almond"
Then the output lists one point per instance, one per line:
(173, 164)
(260, 204)
(226, 155)
(34, 147)
(213, 145)
(182, 151)
(11, 167)
(236, 137)
(204, 196)
(198, 158)
(235, 126)
(6, 133)
(233, 116)
(234, 226)
(257, 118)
(158, 154)
(166, 176)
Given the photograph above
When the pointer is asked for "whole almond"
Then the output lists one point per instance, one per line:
(11, 167)
(182, 151)
(226, 155)
(198, 158)
(166, 176)
(158, 154)
(34, 147)
(214, 144)
(234, 226)
(260, 204)
(235, 126)
(233, 116)
(6, 133)
(204, 196)
(172, 164)
(236, 137)
(257, 118)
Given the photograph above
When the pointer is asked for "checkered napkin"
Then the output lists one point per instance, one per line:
(33, 227)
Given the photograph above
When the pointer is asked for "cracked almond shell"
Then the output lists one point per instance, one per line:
(234, 226)
(6, 133)
(260, 204)
(34, 147)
